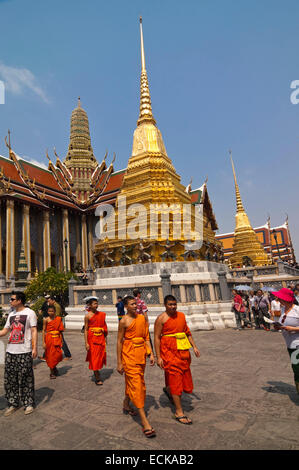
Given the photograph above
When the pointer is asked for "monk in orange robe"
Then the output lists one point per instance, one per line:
(173, 340)
(133, 346)
(95, 332)
(52, 340)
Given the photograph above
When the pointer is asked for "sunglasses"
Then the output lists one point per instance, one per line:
(283, 318)
(12, 298)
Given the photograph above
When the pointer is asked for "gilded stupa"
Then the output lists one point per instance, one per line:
(246, 247)
(80, 160)
(151, 182)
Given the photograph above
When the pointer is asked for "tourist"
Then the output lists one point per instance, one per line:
(290, 328)
(142, 309)
(132, 348)
(246, 314)
(262, 307)
(52, 340)
(141, 305)
(120, 308)
(296, 294)
(173, 340)
(21, 350)
(239, 309)
(251, 301)
(275, 309)
(95, 333)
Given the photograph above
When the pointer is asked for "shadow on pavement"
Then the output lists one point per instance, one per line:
(64, 370)
(106, 374)
(284, 389)
(42, 393)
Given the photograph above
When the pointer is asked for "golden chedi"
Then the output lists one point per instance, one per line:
(151, 181)
(246, 247)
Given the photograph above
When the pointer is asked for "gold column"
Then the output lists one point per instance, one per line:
(90, 241)
(10, 238)
(1, 264)
(78, 245)
(26, 235)
(46, 240)
(66, 236)
(84, 242)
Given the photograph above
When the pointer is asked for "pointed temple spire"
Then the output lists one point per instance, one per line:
(240, 207)
(80, 160)
(246, 244)
(145, 112)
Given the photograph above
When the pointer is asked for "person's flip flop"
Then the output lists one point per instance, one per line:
(99, 382)
(168, 395)
(129, 412)
(178, 418)
(149, 432)
(52, 376)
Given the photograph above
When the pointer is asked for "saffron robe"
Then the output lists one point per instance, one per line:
(176, 362)
(53, 340)
(97, 332)
(134, 359)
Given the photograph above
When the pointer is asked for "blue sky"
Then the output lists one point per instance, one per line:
(219, 75)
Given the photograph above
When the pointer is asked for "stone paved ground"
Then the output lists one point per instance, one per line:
(244, 398)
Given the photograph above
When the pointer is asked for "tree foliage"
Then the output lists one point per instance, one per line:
(50, 282)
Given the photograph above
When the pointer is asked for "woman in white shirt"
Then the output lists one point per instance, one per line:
(275, 309)
(290, 328)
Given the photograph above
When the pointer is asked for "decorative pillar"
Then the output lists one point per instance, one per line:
(46, 240)
(84, 242)
(10, 238)
(165, 282)
(26, 235)
(1, 263)
(72, 282)
(223, 285)
(66, 236)
(78, 244)
(90, 242)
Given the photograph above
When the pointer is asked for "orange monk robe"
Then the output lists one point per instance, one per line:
(96, 340)
(134, 359)
(53, 340)
(176, 363)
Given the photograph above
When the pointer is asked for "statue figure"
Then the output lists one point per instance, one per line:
(189, 250)
(207, 251)
(107, 260)
(168, 253)
(143, 256)
(125, 258)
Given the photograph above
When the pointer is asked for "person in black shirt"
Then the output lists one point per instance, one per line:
(120, 308)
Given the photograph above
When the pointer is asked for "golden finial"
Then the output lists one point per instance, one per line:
(114, 157)
(145, 112)
(240, 207)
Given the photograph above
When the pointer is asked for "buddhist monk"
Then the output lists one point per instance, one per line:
(133, 346)
(173, 340)
(52, 340)
(95, 333)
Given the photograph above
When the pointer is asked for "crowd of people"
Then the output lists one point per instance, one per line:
(252, 310)
(171, 350)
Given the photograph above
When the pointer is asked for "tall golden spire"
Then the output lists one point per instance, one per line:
(246, 244)
(240, 207)
(145, 113)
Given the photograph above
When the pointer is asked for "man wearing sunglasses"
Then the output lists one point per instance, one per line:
(20, 352)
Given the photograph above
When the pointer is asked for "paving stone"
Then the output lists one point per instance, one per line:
(244, 398)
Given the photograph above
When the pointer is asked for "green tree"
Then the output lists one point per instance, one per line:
(50, 282)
